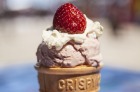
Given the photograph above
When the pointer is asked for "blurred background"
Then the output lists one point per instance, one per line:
(21, 25)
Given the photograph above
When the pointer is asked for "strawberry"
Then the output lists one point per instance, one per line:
(69, 19)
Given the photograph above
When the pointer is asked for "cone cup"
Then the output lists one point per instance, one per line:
(77, 79)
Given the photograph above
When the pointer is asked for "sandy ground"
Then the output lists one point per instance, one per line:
(19, 38)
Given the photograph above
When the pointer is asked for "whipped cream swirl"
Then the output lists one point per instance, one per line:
(53, 37)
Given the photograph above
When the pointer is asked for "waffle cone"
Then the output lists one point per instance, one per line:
(78, 79)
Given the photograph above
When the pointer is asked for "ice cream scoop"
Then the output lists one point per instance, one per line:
(69, 50)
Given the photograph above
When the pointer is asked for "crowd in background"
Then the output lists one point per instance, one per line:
(117, 12)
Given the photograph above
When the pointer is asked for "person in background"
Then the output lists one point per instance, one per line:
(119, 13)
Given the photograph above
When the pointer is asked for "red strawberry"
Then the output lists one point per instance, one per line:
(69, 19)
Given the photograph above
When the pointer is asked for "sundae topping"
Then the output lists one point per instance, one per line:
(57, 39)
(69, 19)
